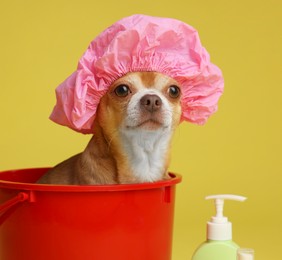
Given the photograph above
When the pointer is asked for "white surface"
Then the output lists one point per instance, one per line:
(219, 228)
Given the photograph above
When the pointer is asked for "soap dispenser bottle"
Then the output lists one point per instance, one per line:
(219, 244)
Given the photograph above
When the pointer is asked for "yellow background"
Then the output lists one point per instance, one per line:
(239, 149)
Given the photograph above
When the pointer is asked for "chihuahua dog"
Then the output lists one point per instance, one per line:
(132, 130)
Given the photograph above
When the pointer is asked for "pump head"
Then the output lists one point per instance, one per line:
(219, 228)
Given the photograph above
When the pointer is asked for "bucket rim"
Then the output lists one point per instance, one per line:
(175, 179)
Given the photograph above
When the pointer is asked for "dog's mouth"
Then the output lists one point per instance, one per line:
(150, 124)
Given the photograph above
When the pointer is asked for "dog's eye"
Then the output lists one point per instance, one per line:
(122, 90)
(174, 91)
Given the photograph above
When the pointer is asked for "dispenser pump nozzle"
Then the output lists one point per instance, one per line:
(218, 228)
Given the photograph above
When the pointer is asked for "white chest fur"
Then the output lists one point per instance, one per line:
(146, 152)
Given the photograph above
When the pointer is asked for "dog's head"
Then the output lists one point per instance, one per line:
(141, 43)
(146, 101)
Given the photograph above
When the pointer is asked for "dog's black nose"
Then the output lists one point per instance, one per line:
(151, 102)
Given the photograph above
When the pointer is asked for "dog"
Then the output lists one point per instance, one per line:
(133, 130)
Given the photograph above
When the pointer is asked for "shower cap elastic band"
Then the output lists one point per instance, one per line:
(140, 43)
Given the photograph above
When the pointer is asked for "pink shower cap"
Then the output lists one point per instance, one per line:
(140, 43)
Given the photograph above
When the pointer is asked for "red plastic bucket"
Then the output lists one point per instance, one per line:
(44, 222)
